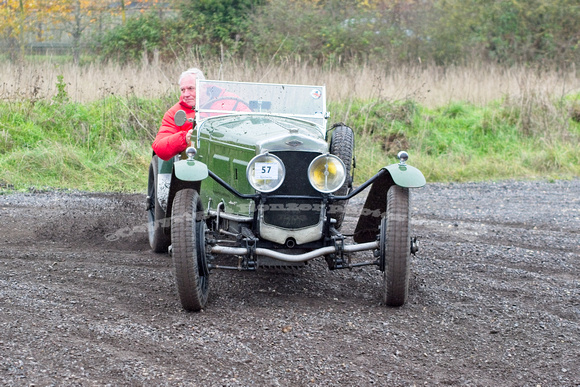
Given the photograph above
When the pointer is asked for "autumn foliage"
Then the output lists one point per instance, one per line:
(22, 21)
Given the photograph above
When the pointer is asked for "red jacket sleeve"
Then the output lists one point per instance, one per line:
(170, 139)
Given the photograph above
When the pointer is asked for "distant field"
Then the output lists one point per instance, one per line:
(431, 86)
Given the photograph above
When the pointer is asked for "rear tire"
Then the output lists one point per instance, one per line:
(342, 145)
(159, 238)
(188, 248)
(396, 247)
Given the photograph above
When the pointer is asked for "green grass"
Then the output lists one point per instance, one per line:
(526, 139)
(105, 145)
(101, 146)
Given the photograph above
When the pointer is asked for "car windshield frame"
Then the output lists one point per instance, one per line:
(303, 102)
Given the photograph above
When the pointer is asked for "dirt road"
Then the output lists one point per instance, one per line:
(494, 300)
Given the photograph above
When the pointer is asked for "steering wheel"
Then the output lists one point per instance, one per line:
(210, 103)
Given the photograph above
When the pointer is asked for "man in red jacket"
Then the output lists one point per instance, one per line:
(172, 139)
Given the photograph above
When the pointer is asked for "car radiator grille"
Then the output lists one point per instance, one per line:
(294, 213)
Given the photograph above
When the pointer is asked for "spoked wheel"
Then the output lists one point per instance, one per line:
(159, 238)
(188, 246)
(342, 145)
(395, 249)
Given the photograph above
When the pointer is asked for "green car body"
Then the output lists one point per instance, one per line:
(268, 187)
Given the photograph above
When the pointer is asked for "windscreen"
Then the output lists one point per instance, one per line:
(298, 101)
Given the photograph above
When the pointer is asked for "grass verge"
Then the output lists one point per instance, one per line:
(104, 145)
(524, 138)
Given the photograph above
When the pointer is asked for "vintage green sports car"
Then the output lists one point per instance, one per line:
(266, 187)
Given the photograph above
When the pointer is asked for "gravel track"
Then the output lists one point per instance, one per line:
(494, 300)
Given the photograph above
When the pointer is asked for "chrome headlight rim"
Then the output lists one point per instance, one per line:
(335, 184)
(273, 184)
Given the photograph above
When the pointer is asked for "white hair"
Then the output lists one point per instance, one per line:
(197, 73)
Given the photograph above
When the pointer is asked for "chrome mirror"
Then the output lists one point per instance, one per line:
(180, 118)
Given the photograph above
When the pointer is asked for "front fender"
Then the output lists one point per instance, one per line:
(190, 170)
(375, 205)
(406, 176)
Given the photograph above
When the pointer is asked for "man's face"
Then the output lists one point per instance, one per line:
(187, 86)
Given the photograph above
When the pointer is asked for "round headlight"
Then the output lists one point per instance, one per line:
(327, 173)
(266, 172)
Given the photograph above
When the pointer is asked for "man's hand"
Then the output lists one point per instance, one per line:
(188, 137)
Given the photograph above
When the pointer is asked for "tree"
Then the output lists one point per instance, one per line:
(507, 31)
(22, 21)
(14, 22)
(218, 23)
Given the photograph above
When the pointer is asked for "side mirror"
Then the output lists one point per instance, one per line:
(180, 118)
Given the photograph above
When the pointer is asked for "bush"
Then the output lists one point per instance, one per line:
(354, 31)
(139, 36)
(216, 25)
(326, 32)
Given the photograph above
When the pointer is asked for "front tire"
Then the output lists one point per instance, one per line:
(342, 145)
(396, 247)
(159, 238)
(188, 248)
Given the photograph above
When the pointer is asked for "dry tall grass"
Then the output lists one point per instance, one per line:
(431, 86)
